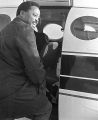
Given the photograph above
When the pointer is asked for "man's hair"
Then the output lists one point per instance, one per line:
(25, 6)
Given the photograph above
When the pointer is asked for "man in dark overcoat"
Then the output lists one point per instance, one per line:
(22, 76)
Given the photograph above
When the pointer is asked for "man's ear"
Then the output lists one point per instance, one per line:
(22, 13)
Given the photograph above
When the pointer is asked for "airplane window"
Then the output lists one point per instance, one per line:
(54, 31)
(85, 28)
(4, 20)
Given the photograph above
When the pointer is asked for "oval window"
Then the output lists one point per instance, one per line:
(85, 28)
(54, 31)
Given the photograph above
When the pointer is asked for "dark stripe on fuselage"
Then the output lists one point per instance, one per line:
(79, 73)
(77, 84)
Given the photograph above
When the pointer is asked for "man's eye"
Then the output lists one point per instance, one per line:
(34, 15)
(37, 16)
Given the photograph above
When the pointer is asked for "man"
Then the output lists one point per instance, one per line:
(22, 77)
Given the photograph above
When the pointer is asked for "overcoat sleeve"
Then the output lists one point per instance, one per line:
(26, 43)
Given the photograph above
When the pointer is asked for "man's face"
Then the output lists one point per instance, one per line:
(32, 16)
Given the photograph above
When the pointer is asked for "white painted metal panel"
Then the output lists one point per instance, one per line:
(75, 108)
(75, 104)
(10, 11)
(86, 3)
(73, 44)
(7, 3)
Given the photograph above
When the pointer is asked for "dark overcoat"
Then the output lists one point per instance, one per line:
(22, 77)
